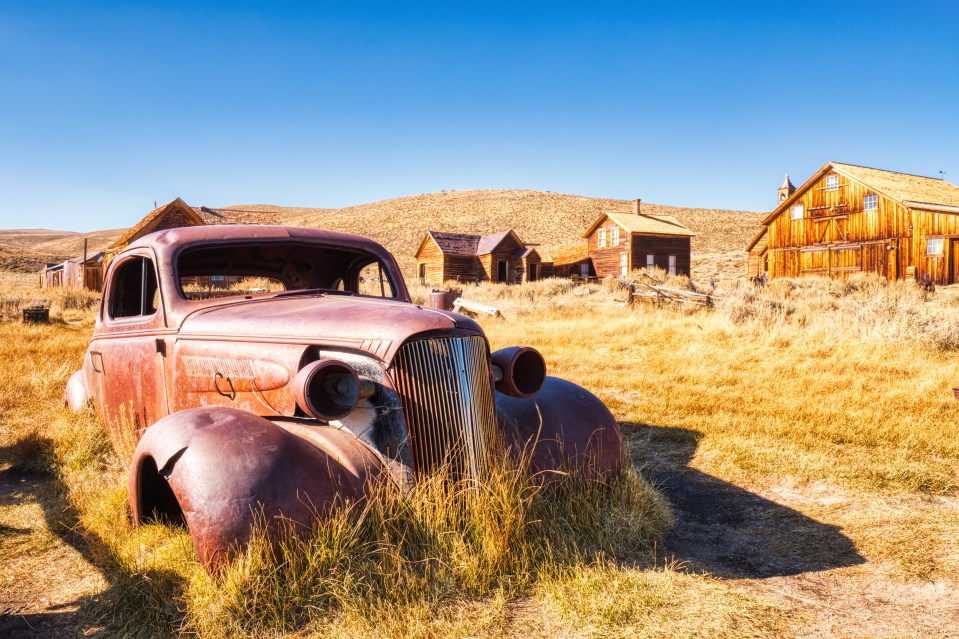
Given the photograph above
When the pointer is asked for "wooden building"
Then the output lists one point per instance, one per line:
(77, 272)
(169, 216)
(572, 261)
(87, 271)
(501, 257)
(850, 219)
(618, 243)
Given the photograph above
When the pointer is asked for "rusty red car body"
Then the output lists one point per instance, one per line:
(272, 371)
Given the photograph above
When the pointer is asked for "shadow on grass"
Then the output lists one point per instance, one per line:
(725, 530)
(87, 616)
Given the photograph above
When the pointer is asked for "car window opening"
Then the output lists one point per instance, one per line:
(280, 268)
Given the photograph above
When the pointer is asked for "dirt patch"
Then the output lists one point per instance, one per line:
(46, 581)
(794, 548)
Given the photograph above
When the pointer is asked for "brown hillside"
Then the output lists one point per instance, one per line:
(552, 220)
(548, 219)
(57, 243)
(14, 260)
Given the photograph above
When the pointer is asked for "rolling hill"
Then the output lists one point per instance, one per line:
(551, 220)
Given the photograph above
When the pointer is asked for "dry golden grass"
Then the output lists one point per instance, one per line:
(834, 398)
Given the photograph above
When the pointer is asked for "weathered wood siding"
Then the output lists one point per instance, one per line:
(837, 236)
(430, 255)
(571, 269)
(661, 247)
(942, 268)
(462, 268)
(606, 260)
(504, 251)
(525, 265)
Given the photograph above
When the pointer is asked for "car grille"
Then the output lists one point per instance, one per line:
(444, 386)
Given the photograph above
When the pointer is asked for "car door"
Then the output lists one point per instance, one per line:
(128, 351)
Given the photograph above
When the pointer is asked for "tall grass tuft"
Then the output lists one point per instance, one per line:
(444, 541)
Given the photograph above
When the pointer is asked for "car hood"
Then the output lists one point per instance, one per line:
(376, 326)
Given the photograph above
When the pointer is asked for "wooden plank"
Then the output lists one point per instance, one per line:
(460, 305)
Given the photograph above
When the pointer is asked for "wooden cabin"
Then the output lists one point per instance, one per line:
(618, 243)
(850, 219)
(500, 257)
(87, 271)
(572, 261)
(171, 215)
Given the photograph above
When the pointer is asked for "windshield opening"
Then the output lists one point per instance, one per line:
(286, 268)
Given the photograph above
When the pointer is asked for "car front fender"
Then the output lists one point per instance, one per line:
(222, 469)
(563, 428)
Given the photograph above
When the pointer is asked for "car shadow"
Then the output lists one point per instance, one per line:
(725, 530)
(88, 615)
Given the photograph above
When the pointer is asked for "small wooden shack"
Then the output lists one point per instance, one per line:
(618, 243)
(87, 271)
(849, 219)
(572, 261)
(500, 257)
(77, 272)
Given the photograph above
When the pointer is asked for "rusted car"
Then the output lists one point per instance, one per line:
(268, 371)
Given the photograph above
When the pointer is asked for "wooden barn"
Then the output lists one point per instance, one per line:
(87, 271)
(501, 257)
(618, 243)
(850, 219)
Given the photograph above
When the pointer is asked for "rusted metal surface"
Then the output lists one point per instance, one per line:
(226, 467)
(447, 398)
(282, 402)
(566, 428)
(523, 371)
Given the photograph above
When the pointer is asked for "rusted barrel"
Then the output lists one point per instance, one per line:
(441, 300)
(36, 315)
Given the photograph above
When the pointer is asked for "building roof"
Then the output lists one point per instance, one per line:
(466, 244)
(787, 184)
(913, 191)
(455, 243)
(153, 218)
(489, 242)
(908, 189)
(762, 236)
(526, 252)
(563, 255)
(98, 256)
(644, 224)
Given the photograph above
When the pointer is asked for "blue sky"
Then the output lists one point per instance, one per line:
(108, 107)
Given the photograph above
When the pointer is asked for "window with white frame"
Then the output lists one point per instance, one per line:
(832, 182)
(934, 246)
(672, 264)
(650, 261)
(796, 212)
(623, 264)
(614, 236)
(870, 202)
(602, 238)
